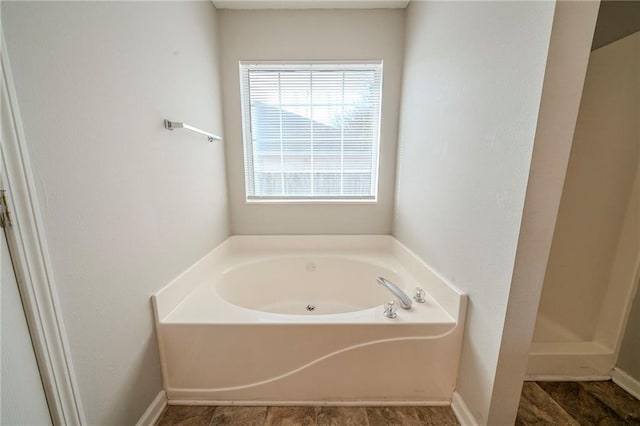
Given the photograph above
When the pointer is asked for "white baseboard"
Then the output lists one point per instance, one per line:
(315, 403)
(461, 411)
(556, 378)
(573, 360)
(626, 382)
(154, 410)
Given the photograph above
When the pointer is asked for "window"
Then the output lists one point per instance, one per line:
(311, 131)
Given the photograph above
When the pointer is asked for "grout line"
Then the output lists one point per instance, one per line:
(609, 411)
(606, 401)
(316, 410)
(213, 414)
(556, 403)
(594, 395)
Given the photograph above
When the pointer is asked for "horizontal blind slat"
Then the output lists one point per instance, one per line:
(311, 130)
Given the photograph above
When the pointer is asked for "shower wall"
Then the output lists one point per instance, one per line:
(595, 246)
(630, 350)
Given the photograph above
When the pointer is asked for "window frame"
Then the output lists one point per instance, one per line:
(245, 110)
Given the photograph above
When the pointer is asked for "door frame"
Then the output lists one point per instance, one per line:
(32, 263)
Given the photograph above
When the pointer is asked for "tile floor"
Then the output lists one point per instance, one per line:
(542, 403)
(308, 416)
(577, 403)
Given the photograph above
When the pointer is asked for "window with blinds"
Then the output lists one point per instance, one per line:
(311, 131)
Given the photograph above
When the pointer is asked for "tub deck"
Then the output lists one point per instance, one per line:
(196, 308)
(216, 352)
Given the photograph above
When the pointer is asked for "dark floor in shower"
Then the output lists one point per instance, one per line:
(541, 403)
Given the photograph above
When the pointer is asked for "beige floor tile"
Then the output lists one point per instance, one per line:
(291, 416)
(437, 416)
(183, 415)
(396, 416)
(341, 416)
(239, 416)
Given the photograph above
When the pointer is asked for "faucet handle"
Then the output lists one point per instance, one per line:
(419, 295)
(390, 309)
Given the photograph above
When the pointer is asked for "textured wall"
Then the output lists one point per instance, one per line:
(597, 191)
(471, 93)
(127, 205)
(311, 35)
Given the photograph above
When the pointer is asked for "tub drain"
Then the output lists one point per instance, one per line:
(311, 308)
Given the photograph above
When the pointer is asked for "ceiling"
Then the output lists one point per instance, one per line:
(616, 19)
(310, 4)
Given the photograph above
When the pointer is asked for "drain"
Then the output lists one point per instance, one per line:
(311, 308)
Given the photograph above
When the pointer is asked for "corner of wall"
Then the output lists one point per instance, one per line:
(462, 411)
(154, 410)
(626, 381)
(566, 65)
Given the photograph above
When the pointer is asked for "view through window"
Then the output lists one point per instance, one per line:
(311, 131)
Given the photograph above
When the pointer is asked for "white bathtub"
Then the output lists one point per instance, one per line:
(299, 320)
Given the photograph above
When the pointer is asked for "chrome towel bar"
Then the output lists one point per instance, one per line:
(171, 125)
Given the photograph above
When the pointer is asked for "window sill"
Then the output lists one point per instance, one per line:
(310, 201)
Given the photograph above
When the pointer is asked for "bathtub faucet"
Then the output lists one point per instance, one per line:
(405, 301)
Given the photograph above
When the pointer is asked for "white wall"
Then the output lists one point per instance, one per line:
(127, 205)
(22, 399)
(603, 165)
(471, 93)
(311, 35)
(571, 35)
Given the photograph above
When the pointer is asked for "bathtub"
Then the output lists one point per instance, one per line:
(295, 320)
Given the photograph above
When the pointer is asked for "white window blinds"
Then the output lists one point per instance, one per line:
(311, 131)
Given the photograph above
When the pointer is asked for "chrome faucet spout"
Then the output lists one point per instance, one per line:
(405, 301)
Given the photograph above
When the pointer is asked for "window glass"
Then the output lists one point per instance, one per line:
(311, 131)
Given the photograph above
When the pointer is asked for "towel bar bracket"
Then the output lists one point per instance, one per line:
(171, 125)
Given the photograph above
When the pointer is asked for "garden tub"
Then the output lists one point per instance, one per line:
(295, 320)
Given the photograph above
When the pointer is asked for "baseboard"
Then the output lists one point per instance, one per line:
(462, 412)
(557, 378)
(380, 403)
(626, 382)
(154, 410)
(570, 359)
